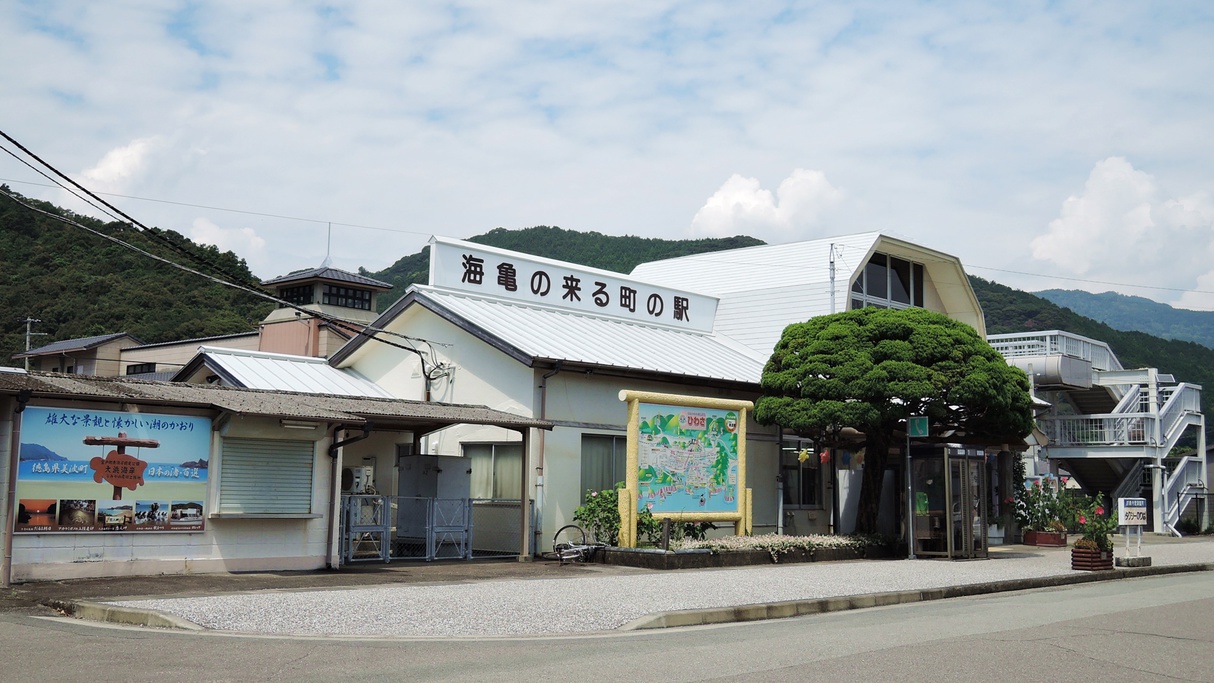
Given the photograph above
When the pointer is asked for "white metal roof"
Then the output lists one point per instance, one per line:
(285, 372)
(764, 289)
(553, 334)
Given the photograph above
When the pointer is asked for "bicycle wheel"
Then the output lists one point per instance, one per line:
(569, 543)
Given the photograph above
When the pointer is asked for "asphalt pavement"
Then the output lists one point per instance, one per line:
(508, 597)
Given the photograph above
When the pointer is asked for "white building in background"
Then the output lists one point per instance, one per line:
(1115, 429)
(558, 341)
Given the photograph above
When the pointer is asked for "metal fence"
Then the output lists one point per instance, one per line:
(386, 528)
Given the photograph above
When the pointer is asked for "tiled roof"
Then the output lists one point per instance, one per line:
(327, 273)
(417, 415)
(80, 344)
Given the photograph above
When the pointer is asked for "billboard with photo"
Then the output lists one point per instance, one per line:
(86, 471)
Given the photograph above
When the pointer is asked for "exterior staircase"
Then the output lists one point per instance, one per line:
(1114, 429)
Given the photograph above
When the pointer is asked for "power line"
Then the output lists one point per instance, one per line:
(240, 211)
(1094, 282)
(352, 326)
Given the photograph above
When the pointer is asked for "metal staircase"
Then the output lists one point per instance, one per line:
(1114, 429)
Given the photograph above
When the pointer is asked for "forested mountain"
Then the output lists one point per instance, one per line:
(1010, 310)
(619, 254)
(1137, 313)
(79, 284)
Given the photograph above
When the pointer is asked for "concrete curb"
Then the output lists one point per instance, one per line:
(797, 608)
(130, 616)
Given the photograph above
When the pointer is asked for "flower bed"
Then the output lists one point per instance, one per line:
(736, 551)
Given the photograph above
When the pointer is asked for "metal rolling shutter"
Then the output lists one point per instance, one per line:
(266, 476)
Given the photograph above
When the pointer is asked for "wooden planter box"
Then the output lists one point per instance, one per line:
(1091, 560)
(1048, 539)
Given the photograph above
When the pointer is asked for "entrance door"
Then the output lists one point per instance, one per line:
(967, 507)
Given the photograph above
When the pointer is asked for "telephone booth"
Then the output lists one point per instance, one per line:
(949, 494)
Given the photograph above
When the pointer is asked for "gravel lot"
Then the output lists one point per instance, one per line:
(579, 605)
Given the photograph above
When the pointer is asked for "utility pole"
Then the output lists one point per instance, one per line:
(28, 322)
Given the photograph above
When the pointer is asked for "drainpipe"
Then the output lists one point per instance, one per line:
(6, 571)
(335, 479)
(539, 481)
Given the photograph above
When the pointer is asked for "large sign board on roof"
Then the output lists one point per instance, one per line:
(475, 268)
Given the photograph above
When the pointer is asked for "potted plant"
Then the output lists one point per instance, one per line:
(1094, 551)
(1037, 513)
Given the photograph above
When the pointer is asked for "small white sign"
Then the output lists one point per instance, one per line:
(1132, 511)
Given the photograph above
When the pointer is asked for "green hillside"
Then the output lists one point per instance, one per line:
(1138, 314)
(1010, 310)
(79, 284)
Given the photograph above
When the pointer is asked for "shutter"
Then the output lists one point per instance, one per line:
(266, 477)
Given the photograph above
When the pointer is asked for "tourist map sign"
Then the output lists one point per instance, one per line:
(686, 461)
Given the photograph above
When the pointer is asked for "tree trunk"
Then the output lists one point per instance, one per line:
(876, 455)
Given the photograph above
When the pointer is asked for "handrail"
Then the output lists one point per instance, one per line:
(1055, 342)
(1131, 484)
(1107, 429)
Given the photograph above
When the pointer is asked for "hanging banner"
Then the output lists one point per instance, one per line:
(84, 471)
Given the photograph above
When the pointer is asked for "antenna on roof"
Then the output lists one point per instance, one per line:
(328, 247)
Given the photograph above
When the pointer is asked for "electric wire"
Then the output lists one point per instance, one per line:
(351, 326)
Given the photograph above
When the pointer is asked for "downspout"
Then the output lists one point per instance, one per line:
(6, 571)
(335, 488)
(539, 480)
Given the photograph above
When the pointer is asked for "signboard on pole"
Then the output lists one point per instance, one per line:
(1132, 511)
(917, 427)
(686, 461)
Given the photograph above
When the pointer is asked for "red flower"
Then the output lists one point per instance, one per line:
(1100, 509)
(1083, 520)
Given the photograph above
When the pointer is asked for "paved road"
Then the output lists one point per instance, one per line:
(1131, 630)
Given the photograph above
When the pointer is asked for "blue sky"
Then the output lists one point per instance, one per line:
(1048, 144)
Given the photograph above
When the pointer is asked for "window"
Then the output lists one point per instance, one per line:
(888, 282)
(604, 459)
(347, 297)
(802, 479)
(497, 469)
(300, 296)
(140, 368)
(264, 476)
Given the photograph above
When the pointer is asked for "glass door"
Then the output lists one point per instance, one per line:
(967, 507)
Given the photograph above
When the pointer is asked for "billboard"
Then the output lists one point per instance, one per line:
(86, 471)
(687, 459)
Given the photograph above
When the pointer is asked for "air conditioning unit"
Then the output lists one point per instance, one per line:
(356, 480)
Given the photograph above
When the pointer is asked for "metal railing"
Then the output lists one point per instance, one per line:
(1180, 487)
(1053, 343)
(386, 528)
(1110, 429)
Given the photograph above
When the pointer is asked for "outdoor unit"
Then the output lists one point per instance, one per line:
(356, 480)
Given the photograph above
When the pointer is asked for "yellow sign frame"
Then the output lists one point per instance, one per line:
(628, 496)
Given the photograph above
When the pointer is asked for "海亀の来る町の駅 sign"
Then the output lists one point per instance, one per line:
(488, 271)
(105, 471)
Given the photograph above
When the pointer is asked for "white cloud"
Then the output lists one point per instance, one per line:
(1120, 229)
(742, 207)
(245, 242)
(120, 166)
